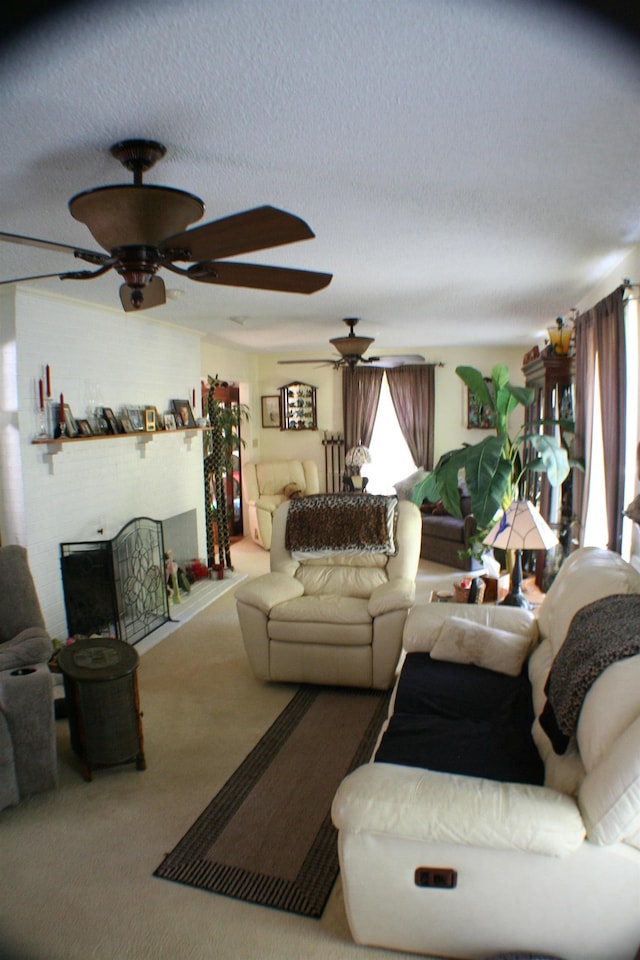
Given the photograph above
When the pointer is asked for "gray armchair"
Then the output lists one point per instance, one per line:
(28, 761)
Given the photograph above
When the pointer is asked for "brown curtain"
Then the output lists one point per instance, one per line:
(412, 390)
(600, 340)
(360, 395)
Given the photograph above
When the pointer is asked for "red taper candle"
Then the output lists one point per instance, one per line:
(48, 373)
(41, 390)
(61, 408)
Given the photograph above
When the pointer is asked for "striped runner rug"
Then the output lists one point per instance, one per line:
(267, 836)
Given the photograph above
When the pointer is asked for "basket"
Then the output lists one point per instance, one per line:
(461, 593)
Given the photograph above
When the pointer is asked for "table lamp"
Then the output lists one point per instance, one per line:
(521, 527)
(356, 458)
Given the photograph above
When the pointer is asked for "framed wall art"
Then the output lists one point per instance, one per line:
(480, 416)
(149, 419)
(270, 412)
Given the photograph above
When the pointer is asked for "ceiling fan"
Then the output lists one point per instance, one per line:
(143, 228)
(351, 351)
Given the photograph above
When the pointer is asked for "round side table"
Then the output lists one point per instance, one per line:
(101, 688)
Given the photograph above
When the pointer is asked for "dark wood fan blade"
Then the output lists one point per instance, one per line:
(153, 295)
(260, 277)
(244, 232)
(90, 255)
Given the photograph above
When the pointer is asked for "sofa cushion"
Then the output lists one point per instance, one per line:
(321, 609)
(404, 488)
(443, 526)
(459, 718)
(612, 704)
(341, 581)
(609, 796)
(462, 641)
(273, 476)
(587, 575)
(600, 633)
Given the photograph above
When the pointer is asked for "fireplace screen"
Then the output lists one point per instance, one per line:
(117, 586)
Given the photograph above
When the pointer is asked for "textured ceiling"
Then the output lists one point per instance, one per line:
(470, 169)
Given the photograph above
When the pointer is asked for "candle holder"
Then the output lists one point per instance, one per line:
(43, 426)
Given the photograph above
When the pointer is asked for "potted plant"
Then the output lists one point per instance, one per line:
(221, 441)
(494, 468)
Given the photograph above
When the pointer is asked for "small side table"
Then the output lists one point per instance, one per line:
(101, 688)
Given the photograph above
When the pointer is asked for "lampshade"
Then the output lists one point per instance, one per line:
(521, 528)
(357, 456)
(560, 337)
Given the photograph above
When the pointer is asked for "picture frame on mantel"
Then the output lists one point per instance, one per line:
(271, 412)
(183, 414)
(480, 416)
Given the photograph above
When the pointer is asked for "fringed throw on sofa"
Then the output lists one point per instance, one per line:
(599, 634)
(342, 522)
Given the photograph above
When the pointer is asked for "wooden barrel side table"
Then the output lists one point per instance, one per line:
(101, 688)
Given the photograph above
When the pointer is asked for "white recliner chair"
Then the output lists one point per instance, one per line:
(268, 483)
(331, 617)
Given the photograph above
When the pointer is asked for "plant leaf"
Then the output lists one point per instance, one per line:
(476, 384)
(488, 475)
(553, 456)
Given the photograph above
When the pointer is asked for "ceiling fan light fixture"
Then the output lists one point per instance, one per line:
(351, 346)
(129, 215)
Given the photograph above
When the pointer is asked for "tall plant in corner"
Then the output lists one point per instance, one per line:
(221, 440)
(494, 468)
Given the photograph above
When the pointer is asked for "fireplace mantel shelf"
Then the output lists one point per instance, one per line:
(141, 436)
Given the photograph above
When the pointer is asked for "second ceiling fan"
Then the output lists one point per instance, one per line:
(351, 350)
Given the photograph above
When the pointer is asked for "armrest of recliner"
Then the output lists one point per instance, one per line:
(423, 805)
(396, 594)
(268, 590)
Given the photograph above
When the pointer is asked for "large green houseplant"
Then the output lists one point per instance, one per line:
(494, 468)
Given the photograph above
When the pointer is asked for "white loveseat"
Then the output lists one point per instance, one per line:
(331, 617)
(553, 868)
(268, 483)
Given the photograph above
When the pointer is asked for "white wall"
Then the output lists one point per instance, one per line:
(94, 484)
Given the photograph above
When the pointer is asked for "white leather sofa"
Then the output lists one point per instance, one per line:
(327, 617)
(553, 868)
(264, 484)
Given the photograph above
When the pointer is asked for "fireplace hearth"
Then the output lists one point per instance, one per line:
(117, 586)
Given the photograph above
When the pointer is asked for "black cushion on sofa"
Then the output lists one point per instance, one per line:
(459, 718)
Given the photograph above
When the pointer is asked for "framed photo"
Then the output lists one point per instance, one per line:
(183, 414)
(480, 416)
(135, 416)
(158, 418)
(169, 421)
(271, 412)
(110, 417)
(149, 420)
(127, 426)
(84, 428)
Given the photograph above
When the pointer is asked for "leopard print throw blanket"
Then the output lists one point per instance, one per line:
(342, 521)
(599, 634)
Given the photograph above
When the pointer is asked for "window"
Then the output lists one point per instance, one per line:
(390, 457)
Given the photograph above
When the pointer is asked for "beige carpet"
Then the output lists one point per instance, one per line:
(76, 877)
